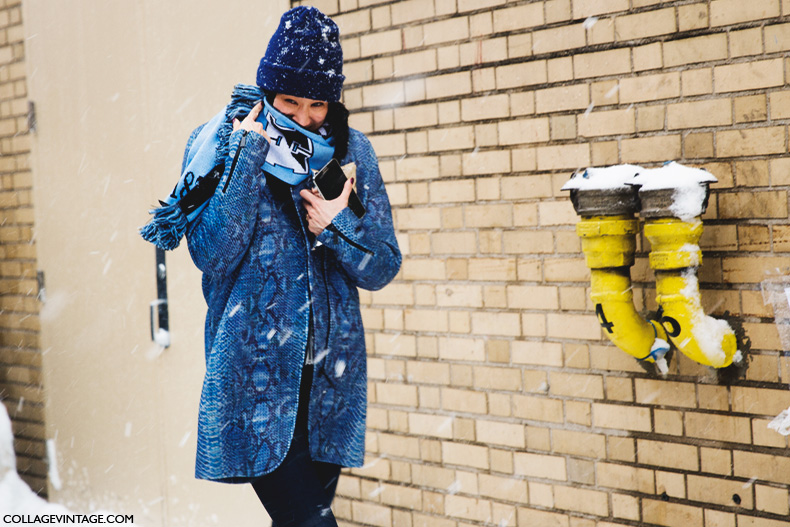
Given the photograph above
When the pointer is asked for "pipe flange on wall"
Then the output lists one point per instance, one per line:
(605, 202)
(662, 202)
(671, 200)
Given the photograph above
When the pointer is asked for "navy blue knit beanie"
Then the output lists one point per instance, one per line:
(304, 57)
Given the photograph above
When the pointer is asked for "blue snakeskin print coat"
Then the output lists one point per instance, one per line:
(263, 274)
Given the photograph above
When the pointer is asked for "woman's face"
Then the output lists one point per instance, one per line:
(308, 113)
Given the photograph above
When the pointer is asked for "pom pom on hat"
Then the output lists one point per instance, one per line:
(304, 57)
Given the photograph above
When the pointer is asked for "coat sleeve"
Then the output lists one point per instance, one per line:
(365, 247)
(220, 236)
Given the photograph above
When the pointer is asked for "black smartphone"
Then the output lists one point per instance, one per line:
(330, 180)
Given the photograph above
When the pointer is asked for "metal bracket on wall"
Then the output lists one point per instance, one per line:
(32, 120)
(42, 290)
(160, 332)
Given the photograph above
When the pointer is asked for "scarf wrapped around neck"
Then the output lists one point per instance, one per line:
(294, 153)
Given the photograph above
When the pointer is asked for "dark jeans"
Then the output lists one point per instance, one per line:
(299, 492)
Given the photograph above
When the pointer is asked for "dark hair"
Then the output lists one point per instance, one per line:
(336, 118)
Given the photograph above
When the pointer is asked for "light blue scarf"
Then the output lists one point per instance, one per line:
(293, 153)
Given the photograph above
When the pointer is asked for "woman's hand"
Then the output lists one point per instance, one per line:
(321, 212)
(250, 124)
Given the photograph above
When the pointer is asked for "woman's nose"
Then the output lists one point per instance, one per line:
(301, 117)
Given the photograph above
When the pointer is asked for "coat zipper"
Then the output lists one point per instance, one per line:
(349, 240)
(310, 351)
(242, 143)
(328, 305)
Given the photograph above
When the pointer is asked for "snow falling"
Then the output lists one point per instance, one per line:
(781, 423)
(52, 458)
(384, 489)
(775, 290)
(340, 368)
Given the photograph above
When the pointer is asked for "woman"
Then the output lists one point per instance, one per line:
(284, 397)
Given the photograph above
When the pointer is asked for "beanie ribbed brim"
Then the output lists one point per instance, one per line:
(300, 82)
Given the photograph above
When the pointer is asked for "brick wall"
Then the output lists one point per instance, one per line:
(494, 397)
(20, 356)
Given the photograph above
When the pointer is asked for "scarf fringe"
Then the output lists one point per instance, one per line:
(166, 228)
(169, 223)
(242, 100)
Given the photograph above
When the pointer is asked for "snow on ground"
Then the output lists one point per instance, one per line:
(16, 498)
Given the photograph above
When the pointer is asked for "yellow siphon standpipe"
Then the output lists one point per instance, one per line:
(673, 199)
(675, 257)
(608, 234)
(609, 243)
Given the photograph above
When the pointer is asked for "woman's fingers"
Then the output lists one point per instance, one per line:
(258, 127)
(256, 110)
(309, 198)
(250, 124)
(348, 186)
(249, 121)
(313, 224)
